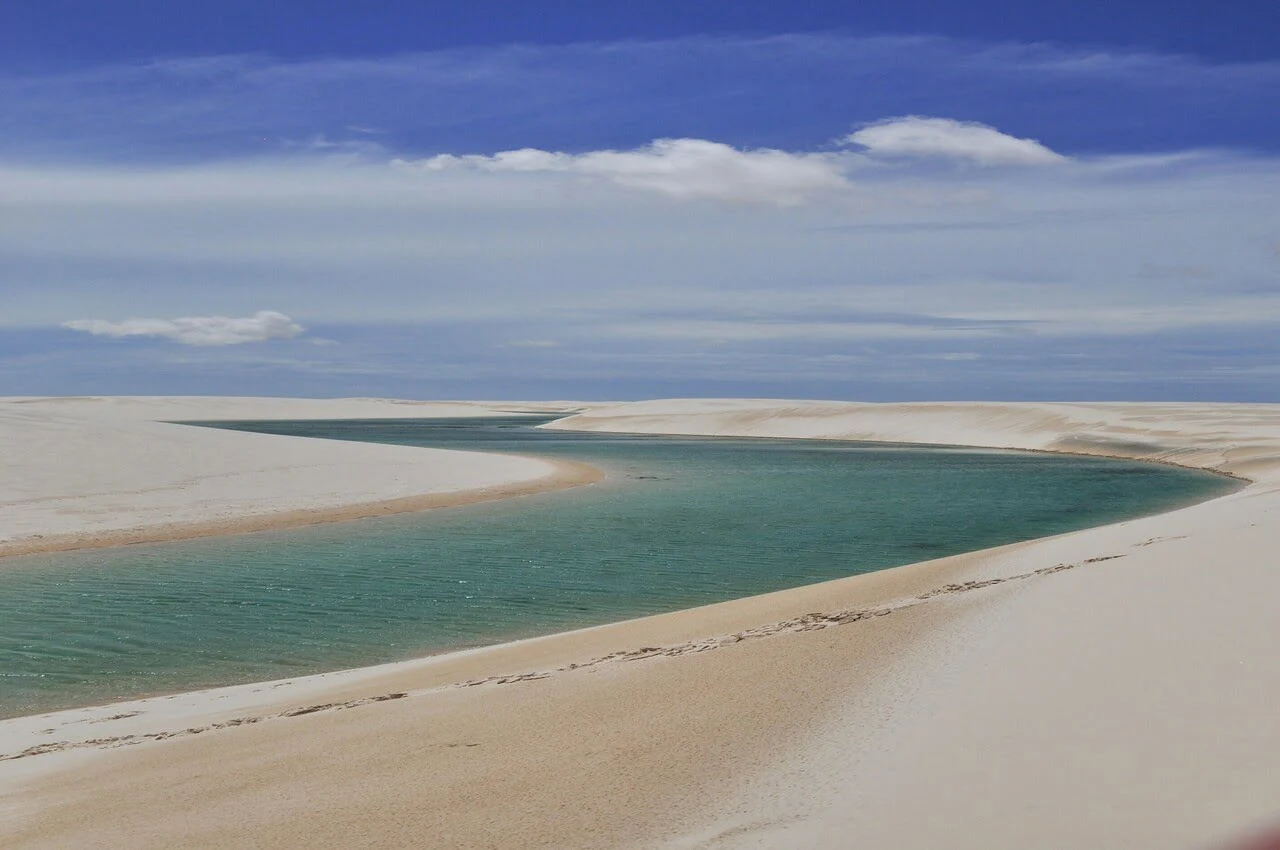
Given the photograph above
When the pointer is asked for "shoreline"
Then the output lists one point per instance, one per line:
(864, 598)
(95, 472)
(409, 664)
(570, 474)
(1223, 473)
(891, 618)
(565, 474)
(751, 722)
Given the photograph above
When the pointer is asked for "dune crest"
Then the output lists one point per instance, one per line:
(1112, 687)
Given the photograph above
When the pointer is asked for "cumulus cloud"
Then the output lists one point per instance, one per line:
(198, 330)
(915, 135)
(680, 168)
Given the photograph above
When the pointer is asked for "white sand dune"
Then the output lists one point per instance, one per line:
(1125, 705)
(78, 472)
(1114, 687)
(1234, 438)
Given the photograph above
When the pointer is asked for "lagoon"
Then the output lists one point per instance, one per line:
(680, 521)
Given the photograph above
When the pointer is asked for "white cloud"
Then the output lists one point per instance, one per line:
(709, 170)
(553, 254)
(680, 168)
(198, 330)
(569, 242)
(915, 135)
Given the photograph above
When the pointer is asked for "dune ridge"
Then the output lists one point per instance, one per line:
(1109, 687)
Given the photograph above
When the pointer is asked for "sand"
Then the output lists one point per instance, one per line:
(1113, 687)
(84, 472)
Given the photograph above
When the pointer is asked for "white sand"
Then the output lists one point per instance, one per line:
(95, 471)
(1129, 705)
(1114, 687)
(1235, 438)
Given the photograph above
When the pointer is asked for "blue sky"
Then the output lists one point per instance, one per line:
(881, 200)
(54, 32)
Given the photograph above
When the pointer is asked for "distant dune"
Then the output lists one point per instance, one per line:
(88, 471)
(1112, 687)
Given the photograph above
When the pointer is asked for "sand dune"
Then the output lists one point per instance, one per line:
(80, 472)
(1113, 687)
(1234, 438)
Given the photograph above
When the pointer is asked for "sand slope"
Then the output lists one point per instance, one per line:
(1234, 438)
(1113, 687)
(101, 471)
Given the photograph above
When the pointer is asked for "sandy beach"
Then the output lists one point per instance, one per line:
(1113, 687)
(88, 472)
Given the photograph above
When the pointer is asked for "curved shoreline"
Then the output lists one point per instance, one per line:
(98, 472)
(884, 617)
(1133, 458)
(568, 474)
(565, 474)
(752, 720)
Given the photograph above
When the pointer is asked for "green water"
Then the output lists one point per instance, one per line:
(679, 522)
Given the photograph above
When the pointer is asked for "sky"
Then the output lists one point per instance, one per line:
(884, 201)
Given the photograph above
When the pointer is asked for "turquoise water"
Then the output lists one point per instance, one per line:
(679, 522)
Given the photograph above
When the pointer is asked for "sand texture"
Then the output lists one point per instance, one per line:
(84, 472)
(1114, 687)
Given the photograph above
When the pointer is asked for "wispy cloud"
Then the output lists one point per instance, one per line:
(780, 92)
(699, 169)
(197, 330)
(779, 228)
(533, 343)
(536, 238)
(680, 168)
